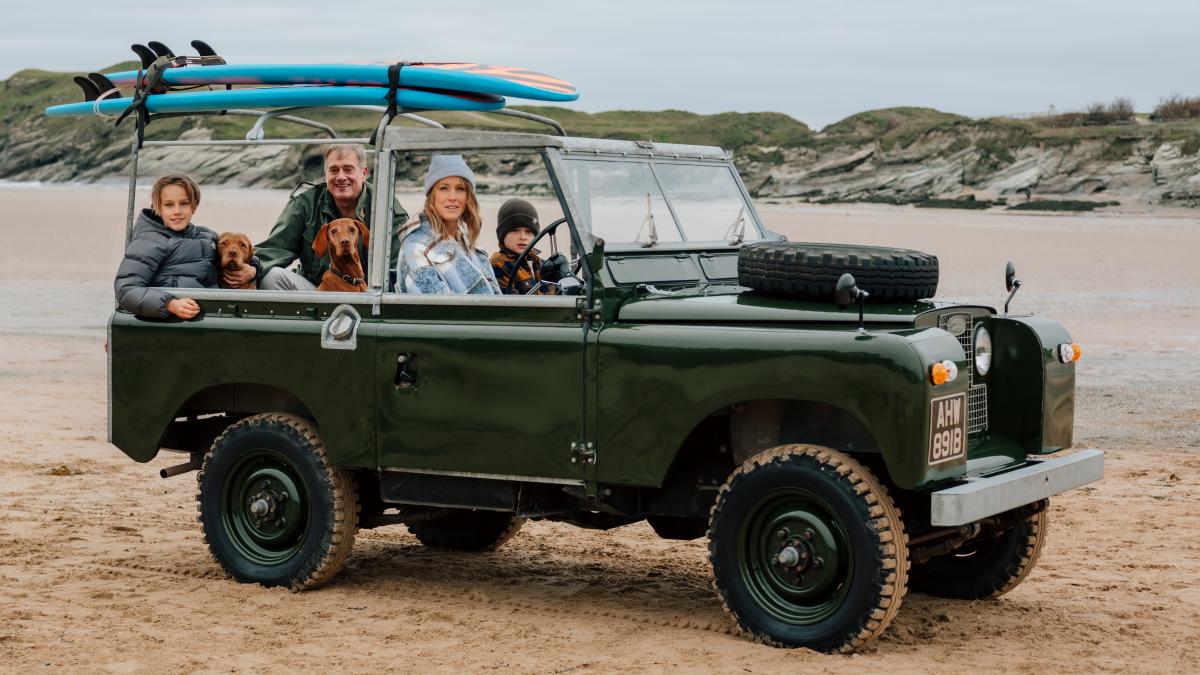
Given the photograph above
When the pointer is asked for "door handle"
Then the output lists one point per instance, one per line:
(340, 330)
(406, 377)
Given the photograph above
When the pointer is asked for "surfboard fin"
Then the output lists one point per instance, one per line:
(90, 91)
(144, 54)
(160, 49)
(101, 82)
(203, 49)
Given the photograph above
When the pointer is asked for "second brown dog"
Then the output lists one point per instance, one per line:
(340, 239)
(233, 251)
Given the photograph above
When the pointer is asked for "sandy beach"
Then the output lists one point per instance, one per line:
(103, 567)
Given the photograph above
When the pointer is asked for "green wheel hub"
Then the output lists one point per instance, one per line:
(794, 556)
(265, 508)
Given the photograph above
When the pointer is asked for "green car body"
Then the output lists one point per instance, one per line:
(637, 398)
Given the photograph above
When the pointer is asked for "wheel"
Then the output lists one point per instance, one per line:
(808, 549)
(811, 271)
(468, 530)
(984, 568)
(273, 510)
(675, 527)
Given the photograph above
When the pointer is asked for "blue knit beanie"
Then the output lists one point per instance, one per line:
(444, 166)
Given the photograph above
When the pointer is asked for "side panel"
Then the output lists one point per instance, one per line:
(479, 388)
(657, 382)
(158, 365)
(1032, 392)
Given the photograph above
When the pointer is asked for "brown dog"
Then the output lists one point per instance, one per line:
(340, 238)
(233, 250)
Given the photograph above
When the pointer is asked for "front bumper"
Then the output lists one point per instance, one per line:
(1040, 478)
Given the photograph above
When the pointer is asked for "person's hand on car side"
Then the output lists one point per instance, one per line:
(184, 308)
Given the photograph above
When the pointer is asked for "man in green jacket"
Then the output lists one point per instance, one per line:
(345, 194)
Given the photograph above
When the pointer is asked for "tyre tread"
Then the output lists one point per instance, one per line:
(344, 526)
(428, 533)
(811, 271)
(978, 586)
(886, 522)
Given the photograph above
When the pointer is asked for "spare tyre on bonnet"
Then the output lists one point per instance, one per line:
(811, 271)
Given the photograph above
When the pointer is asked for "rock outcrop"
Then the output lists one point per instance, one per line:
(933, 168)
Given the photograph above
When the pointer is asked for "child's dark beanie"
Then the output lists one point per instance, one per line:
(515, 213)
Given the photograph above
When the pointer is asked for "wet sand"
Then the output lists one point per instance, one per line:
(102, 566)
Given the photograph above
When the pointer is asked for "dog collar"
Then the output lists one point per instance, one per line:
(353, 281)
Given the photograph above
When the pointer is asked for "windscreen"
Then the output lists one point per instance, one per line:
(655, 203)
(622, 201)
(707, 201)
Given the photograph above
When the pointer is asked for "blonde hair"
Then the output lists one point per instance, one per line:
(182, 180)
(470, 217)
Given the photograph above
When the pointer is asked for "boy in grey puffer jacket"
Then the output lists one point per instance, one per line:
(167, 250)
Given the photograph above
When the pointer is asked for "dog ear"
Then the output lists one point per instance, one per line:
(320, 243)
(364, 234)
(249, 247)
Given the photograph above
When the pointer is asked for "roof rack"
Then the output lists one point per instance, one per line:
(256, 133)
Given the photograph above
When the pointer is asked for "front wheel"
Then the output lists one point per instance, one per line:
(985, 567)
(808, 549)
(273, 510)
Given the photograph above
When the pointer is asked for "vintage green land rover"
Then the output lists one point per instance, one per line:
(837, 436)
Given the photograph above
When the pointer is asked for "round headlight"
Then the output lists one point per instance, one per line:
(983, 350)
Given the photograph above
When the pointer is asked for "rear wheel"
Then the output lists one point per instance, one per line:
(808, 549)
(985, 567)
(467, 530)
(273, 510)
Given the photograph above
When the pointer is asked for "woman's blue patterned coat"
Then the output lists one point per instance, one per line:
(444, 268)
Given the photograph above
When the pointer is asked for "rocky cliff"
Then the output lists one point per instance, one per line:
(900, 154)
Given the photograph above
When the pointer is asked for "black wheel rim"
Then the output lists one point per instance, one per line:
(794, 556)
(264, 508)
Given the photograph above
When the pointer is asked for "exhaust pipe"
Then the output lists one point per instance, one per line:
(191, 465)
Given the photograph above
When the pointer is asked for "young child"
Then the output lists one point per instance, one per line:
(167, 250)
(516, 226)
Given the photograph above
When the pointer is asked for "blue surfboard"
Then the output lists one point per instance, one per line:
(284, 97)
(467, 77)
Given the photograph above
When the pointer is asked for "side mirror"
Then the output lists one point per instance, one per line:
(1011, 282)
(847, 293)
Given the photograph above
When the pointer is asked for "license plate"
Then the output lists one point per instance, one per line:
(947, 428)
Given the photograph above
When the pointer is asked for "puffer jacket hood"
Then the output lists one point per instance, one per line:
(158, 257)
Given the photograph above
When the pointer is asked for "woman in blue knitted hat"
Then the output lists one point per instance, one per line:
(438, 253)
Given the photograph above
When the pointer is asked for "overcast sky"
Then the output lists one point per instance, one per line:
(817, 62)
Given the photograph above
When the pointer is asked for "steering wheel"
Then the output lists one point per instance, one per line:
(520, 262)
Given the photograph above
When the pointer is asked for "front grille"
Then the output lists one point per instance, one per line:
(977, 417)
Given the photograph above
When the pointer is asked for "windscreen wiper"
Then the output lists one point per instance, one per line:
(648, 226)
(736, 233)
